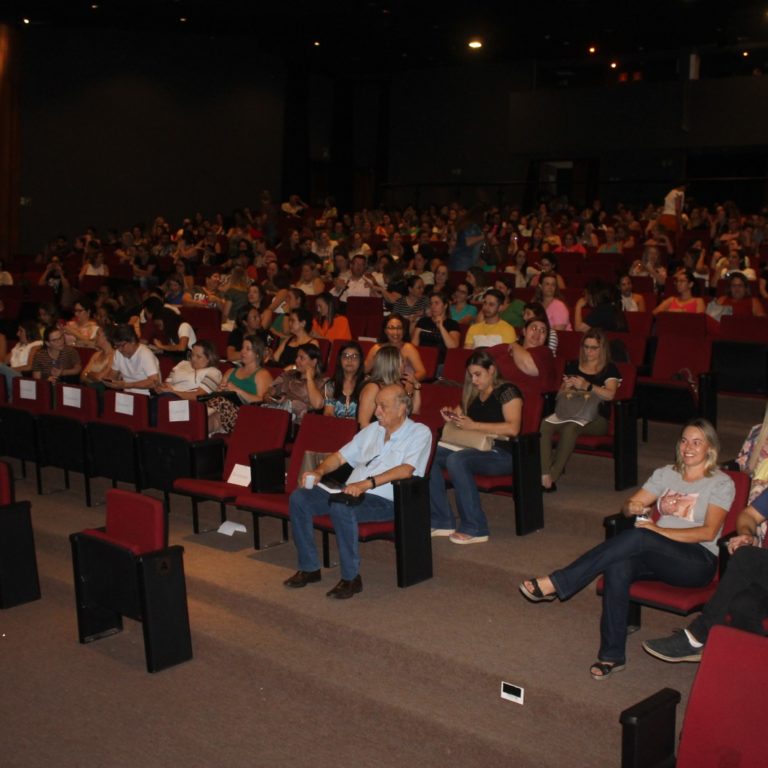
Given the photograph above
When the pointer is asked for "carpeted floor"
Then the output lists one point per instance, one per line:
(290, 678)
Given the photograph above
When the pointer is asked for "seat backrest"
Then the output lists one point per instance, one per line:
(734, 328)
(32, 394)
(723, 717)
(135, 521)
(673, 353)
(455, 365)
(435, 397)
(569, 344)
(126, 409)
(76, 402)
(681, 324)
(7, 494)
(639, 322)
(257, 430)
(365, 306)
(429, 357)
(634, 344)
(533, 407)
(323, 434)
(185, 418)
(741, 482)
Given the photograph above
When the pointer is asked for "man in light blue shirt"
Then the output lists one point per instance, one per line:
(392, 448)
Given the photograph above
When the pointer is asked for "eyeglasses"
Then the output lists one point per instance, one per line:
(591, 347)
(350, 356)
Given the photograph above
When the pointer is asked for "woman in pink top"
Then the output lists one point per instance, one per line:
(548, 293)
(685, 301)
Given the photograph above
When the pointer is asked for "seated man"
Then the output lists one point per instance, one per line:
(741, 599)
(491, 330)
(135, 368)
(393, 448)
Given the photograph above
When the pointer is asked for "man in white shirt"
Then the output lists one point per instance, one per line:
(358, 283)
(135, 368)
(391, 448)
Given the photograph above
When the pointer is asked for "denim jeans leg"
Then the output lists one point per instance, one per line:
(462, 466)
(440, 508)
(632, 555)
(304, 505)
(345, 520)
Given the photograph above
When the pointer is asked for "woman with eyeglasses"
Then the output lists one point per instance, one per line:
(461, 310)
(395, 333)
(342, 392)
(685, 301)
(82, 328)
(592, 373)
(56, 361)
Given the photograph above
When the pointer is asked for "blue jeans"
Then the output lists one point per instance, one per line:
(631, 556)
(10, 375)
(462, 466)
(305, 504)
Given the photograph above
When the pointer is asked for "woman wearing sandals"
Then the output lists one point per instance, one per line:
(686, 504)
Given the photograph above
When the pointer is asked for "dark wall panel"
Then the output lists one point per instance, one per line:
(119, 129)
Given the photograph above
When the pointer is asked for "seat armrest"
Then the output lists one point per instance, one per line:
(648, 731)
(615, 524)
(724, 554)
(268, 471)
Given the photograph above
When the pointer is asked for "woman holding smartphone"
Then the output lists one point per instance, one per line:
(488, 405)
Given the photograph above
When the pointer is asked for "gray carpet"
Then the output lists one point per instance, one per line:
(290, 678)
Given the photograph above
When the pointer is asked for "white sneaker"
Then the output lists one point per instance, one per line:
(463, 538)
(443, 532)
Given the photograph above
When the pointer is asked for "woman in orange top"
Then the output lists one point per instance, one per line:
(685, 301)
(327, 324)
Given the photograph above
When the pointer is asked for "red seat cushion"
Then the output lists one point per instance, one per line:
(275, 504)
(665, 596)
(207, 489)
(489, 482)
(379, 529)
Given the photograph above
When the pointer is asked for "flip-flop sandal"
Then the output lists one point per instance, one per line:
(535, 595)
(606, 669)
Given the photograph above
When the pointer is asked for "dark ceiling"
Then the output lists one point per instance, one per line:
(362, 38)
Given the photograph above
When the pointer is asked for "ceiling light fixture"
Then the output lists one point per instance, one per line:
(316, 43)
(475, 44)
(745, 54)
(26, 21)
(183, 19)
(614, 64)
(592, 49)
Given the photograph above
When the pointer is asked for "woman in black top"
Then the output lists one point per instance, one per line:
(488, 405)
(437, 329)
(593, 372)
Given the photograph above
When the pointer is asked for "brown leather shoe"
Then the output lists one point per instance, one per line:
(346, 588)
(302, 578)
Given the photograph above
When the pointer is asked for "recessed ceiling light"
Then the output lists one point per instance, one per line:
(316, 43)
(94, 6)
(26, 21)
(745, 54)
(183, 19)
(614, 64)
(592, 49)
(474, 44)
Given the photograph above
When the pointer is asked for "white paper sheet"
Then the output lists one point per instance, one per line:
(72, 397)
(178, 410)
(27, 389)
(240, 475)
(228, 528)
(124, 404)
